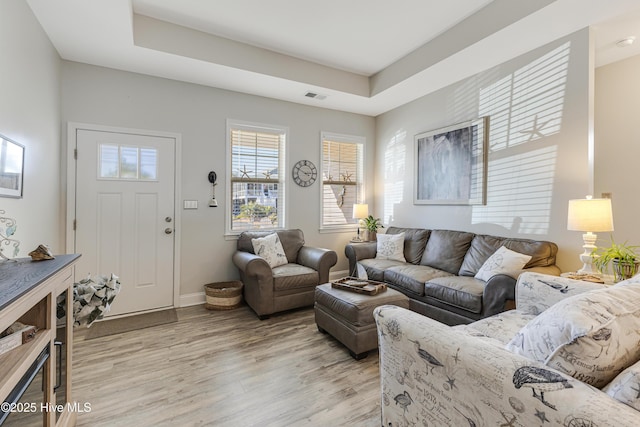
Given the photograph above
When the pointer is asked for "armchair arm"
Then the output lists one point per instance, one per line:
(257, 278)
(356, 252)
(252, 265)
(433, 374)
(319, 259)
(536, 292)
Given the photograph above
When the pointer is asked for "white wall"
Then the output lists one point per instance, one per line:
(538, 156)
(617, 138)
(114, 98)
(30, 115)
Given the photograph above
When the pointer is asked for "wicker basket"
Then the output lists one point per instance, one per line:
(223, 295)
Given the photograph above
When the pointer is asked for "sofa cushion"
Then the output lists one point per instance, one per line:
(537, 292)
(291, 240)
(458, 291)
(542, 253)
(625, 387)
(391, 247)
(446, 249)
(501, 327)
(503, 261)
(294, 276)
(592, 336)
(482, 247)
(411, 278)
(415, 239)
(270, 248)
(375, 267)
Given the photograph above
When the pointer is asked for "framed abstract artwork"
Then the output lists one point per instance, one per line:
(451, 164)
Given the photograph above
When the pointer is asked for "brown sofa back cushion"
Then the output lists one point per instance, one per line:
(482, 247)
(292, 241)
(446, 250)
(542, 253)
(415, 239)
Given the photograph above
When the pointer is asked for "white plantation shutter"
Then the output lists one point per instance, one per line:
(257, 190)
(342, 178)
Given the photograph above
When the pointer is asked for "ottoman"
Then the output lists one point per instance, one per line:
(348, 316)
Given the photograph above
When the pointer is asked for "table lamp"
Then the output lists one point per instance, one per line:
(590, 216)
(360, 211)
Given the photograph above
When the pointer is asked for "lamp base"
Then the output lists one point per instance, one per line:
(589, 246)
(357, 238)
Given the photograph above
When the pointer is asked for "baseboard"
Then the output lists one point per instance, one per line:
(192, 299)
(200, 297)
(334, 275)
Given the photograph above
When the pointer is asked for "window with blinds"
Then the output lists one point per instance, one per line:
(257, 190)
(342, 178)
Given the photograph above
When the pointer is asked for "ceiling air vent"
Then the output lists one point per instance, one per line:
(315, 96)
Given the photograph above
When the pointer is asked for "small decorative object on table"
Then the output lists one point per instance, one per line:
(595, 278)
(624, 258)
(42, 252)
(361, 286)
(7, 229)
(371, 225)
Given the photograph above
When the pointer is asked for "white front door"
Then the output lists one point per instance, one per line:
(125, 215)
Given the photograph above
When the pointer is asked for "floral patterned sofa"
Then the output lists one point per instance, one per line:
(567, 355)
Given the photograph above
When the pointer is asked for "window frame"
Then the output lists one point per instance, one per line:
(233, 124)
(359, 141)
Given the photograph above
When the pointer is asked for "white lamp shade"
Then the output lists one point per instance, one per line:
(593, 215)
(360, 211)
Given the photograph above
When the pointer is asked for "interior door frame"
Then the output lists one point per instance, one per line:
(72, 132)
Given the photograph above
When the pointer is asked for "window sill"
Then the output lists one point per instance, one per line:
(333, 230)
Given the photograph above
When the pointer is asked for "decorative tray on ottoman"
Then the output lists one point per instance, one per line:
(361, 286)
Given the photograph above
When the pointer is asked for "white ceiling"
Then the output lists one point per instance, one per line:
(365, 56)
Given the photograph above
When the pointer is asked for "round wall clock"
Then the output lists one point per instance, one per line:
(304, 173)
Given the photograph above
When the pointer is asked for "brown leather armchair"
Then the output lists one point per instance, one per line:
(288, 286)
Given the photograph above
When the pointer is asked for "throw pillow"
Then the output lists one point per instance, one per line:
(625, 387)
(503, 261)
(592, 336)
(391, 247)
(270, 248)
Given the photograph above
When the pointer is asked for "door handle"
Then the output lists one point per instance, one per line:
(168, 230)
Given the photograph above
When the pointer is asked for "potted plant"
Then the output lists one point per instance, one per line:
(371, 226)
(624, 259)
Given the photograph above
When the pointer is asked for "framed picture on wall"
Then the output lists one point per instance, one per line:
(11, 168)
(451, 164)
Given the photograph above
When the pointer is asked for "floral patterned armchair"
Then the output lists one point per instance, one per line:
(485, 373)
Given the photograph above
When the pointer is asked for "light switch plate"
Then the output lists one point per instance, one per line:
(191, 204)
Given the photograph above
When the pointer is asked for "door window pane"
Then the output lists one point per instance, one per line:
(148, 163)
(128, 162)
(120, 162)
(109, 161)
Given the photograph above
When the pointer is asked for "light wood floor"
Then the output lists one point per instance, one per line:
(225, 368)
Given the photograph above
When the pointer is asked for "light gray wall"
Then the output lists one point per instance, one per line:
(30, 115)
(617, 148)
(531, 175)
(114, 98)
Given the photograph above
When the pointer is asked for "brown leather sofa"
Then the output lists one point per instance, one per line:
(438, 276)
(285, 287)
